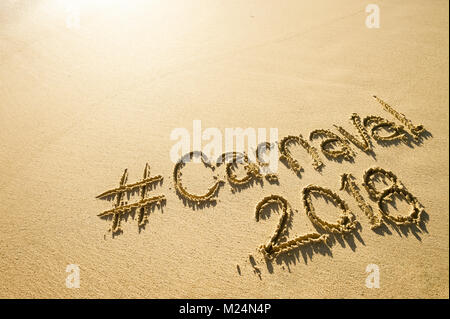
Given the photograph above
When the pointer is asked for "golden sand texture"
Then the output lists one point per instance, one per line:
(78, 106)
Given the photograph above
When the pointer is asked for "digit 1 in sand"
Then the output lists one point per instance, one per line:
(348, 183)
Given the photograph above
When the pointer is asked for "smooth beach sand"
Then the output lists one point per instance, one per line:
(79, 105)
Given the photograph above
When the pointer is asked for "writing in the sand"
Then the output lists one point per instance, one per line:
(334, 146)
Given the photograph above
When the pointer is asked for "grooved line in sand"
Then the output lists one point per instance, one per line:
(121, 207)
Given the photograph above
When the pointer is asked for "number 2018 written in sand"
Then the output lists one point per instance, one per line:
(332, 146)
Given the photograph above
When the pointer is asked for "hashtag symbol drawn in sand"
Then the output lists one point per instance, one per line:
(141, 207)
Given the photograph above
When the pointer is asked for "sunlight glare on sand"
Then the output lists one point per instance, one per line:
(92, 5)
(95, 3)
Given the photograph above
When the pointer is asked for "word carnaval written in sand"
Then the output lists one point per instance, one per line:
(332, 146)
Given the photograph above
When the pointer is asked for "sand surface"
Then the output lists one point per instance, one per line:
(79, 105)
